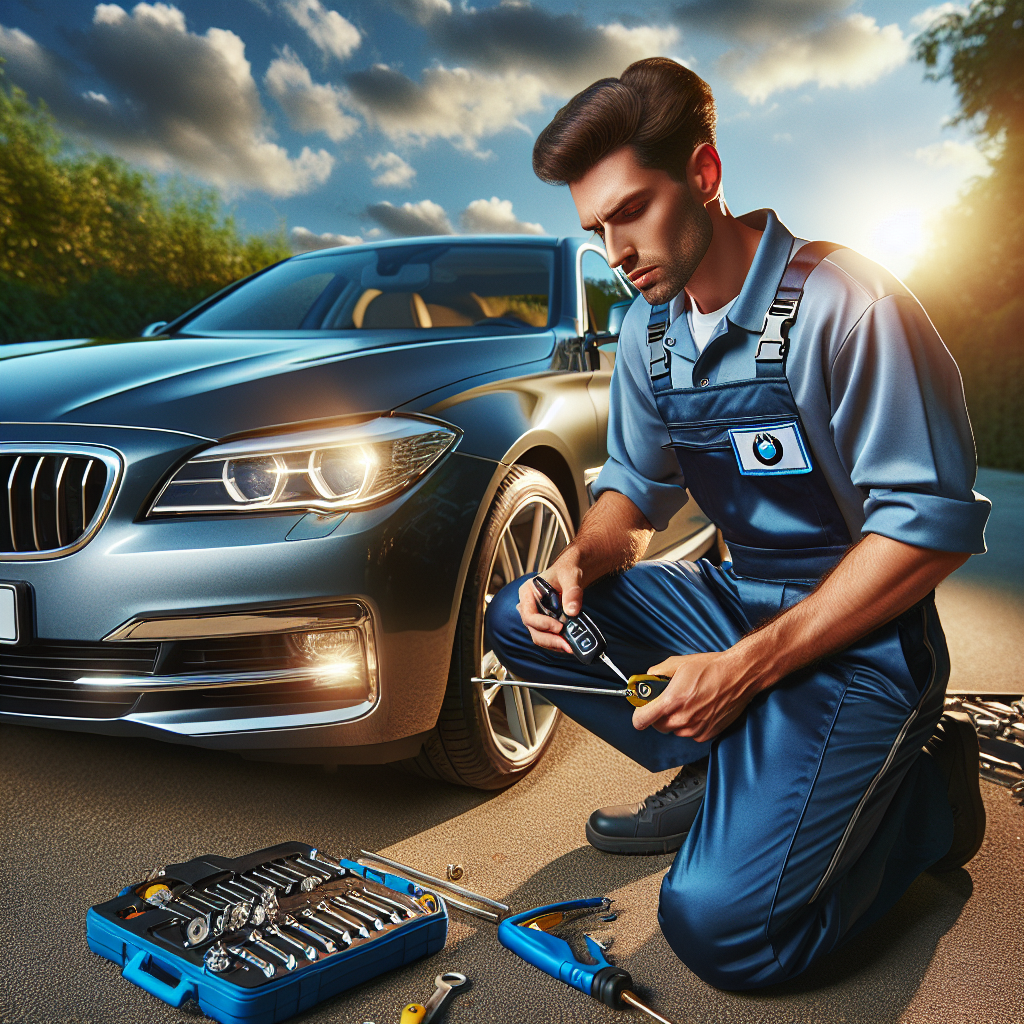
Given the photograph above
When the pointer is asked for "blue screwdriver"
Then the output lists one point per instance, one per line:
(527, 936)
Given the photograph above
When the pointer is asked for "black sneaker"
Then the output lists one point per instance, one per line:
(954, 746)
(659, 824)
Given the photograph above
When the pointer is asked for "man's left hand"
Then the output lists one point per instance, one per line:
(704, 696)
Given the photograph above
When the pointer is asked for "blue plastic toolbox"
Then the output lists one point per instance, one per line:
(257, 939)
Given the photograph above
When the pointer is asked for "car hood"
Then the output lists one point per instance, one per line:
(215, 386)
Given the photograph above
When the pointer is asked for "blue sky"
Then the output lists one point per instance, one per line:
(362, 119)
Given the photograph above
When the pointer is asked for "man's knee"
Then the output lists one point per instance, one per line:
(720, 937)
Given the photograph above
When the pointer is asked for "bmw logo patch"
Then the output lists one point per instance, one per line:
(767, 449)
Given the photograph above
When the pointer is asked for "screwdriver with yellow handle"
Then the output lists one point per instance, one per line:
(588, 644)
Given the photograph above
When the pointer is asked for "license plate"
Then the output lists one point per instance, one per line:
(13, 617)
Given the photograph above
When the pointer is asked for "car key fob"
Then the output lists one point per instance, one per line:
(581, 632)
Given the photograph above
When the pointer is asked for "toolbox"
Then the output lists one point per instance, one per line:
(259, 938)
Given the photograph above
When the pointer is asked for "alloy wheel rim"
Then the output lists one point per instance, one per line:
(519, 720)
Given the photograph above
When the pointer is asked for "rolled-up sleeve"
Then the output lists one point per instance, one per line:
(899, 423)
(638, 466)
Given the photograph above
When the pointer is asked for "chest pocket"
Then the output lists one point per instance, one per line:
(774, 449)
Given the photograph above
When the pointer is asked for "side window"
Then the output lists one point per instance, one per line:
(602, 289)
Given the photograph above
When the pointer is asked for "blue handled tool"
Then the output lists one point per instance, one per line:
(527, 936)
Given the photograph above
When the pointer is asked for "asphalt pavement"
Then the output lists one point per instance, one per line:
(84, 815)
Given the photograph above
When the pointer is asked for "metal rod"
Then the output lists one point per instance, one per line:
(440, 882)
(487, 915)
(630, 999)
(615, 668)
(549, 686)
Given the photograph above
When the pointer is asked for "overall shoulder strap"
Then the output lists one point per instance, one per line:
(771, 351)
(657, 328)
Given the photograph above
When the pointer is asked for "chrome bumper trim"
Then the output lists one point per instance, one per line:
(215, 680)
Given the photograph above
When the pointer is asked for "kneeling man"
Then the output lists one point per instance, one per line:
(802, 396)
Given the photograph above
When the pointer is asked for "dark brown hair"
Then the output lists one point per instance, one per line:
(661, 109)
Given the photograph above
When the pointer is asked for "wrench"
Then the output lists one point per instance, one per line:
(349, 922)
(308, 951)
(389, 912)
(288, 959)
(370, 919)
(401, 907)
(342, 933)
(444, 984)
(269, 970)
(328, 943)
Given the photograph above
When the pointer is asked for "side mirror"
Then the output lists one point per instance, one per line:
(152, 329)
(616, 314)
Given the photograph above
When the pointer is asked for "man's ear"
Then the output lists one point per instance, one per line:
(704, 174)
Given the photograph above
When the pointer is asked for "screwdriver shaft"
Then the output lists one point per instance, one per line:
(630, 999)
(615, 668)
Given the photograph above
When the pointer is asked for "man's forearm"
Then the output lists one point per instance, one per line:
(613, 537)
(876, 581)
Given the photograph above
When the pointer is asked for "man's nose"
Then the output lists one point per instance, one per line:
(618, 247)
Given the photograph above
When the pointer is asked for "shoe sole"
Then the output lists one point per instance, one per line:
(968, 760)
(634, 845)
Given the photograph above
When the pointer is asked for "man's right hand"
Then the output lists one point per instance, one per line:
(566, 577)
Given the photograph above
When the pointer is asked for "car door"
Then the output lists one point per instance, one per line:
(605, 296)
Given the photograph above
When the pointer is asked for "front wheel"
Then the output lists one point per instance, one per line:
(491, 736)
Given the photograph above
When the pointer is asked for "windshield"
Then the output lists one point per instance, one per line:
(425, 285)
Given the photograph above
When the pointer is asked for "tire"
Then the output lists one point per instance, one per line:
(489, 738)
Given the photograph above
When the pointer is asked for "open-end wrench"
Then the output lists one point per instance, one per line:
(390, 913)
(308, 951)
(306, 881)
(400, 907)
(424, 1013)
(342, 933)
(278, 882)
(373, 920)
(269, 970)
(323, 871)
(288, 959)
(350, 922)
(315, 877)
(336, 866)
(328, 943)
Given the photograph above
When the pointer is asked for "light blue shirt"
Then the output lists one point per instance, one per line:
(880, 399)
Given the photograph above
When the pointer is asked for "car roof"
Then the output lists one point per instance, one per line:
(547, 241)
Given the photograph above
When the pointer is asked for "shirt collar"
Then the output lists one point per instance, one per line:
(765, 272)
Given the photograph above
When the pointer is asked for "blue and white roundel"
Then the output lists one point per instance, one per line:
(771, 449)
(767, 449)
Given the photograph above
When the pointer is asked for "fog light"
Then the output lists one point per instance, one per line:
(340, 657)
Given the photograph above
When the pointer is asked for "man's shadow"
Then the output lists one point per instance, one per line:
(872, 978)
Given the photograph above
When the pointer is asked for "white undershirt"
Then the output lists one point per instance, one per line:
(702, 325)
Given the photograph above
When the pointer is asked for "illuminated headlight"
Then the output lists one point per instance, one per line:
(340, 658)
(332, 470)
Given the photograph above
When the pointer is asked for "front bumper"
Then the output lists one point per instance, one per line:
(402, 563)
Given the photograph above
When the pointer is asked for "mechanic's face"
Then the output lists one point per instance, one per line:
(655, 227)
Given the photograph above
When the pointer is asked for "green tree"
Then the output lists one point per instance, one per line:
(91, 246)
(972, 277)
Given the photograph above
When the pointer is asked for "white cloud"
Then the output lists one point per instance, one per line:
(310, 107)
(850, 52)
(508, 60)
(394, 171)
(176, 100)
(457, 104)
(422, 218)
(949, 153)
(328, 29)
(304, 240)
(495, 216)
(923, 21)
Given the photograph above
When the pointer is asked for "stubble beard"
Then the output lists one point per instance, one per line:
(678, 266)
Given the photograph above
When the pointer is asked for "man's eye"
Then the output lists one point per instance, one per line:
(634, 211)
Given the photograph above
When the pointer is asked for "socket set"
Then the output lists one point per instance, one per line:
(257, 939)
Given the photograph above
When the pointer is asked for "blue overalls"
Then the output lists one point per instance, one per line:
(820, 809)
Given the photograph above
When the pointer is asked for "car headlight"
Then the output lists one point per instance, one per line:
(331, 470)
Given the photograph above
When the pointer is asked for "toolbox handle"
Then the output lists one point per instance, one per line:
(135, 971)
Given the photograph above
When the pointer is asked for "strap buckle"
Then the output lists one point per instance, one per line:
(780, 317)
(656, 331)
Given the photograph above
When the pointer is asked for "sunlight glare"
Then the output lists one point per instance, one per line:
(897, 240)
